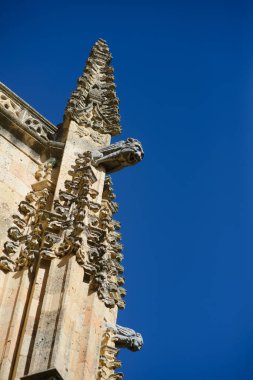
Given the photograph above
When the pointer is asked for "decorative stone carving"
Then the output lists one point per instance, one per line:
(125, 337)
(7, 264)
(117, 156)
(108, 361)
(104, 256)
(65, 228)
(116, 337)
(26, 116)
(109, 290)
(26, 234)
(44, 171)
(94, 102)
(77, 225)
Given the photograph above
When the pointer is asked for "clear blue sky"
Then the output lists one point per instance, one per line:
(184, 74)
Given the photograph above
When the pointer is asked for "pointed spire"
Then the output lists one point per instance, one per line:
(94, 102)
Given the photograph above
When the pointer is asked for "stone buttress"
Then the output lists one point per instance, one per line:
(61, 282)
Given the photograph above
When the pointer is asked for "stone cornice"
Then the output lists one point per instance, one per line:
(17, 110)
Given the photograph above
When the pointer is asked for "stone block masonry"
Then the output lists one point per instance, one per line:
(61, 281)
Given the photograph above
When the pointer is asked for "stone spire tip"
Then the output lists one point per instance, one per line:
(96, 90)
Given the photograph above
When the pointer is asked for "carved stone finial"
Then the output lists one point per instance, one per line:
(94, 102)
(119, 155)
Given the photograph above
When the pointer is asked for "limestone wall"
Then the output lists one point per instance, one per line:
(17, 167)
(61, 281)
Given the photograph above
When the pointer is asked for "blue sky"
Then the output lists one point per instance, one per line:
(184, 75)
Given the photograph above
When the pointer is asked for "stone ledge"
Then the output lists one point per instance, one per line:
(25, 116)
(49, 374)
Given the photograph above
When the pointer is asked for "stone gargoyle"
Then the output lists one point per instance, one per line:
(117, 156)
(125, 337)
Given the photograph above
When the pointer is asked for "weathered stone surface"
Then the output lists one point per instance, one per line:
(60, 254)
(25, 115)
(125, 337)
(26, 234)
(50, 374)
(116, 337)
(117, 156)
(94, 102)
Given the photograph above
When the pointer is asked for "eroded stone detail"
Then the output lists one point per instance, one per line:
(125, 337)
(117, 156)
(66, 226)
(95, 136)
(26, 234)
(105, 255)
(94, 102)
(108, 361)
(116, 337)
(77, 225)
(82, 227)
(24, 114)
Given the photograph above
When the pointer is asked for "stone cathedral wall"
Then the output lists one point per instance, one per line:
(17, 168)
(61, 277)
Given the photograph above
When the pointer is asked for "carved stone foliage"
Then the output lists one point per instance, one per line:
(116, 337)
(117, 156)
(82, 227)
(108, 361)
(66, 227)
(104, 256)
(25, 236)
(25, 115)
(94, 102)
(77, 225)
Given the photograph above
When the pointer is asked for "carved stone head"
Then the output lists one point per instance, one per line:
(117, 156)
(137, 342)
(135, 151)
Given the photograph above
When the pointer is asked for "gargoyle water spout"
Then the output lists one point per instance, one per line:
(119, 155)
(125, 337)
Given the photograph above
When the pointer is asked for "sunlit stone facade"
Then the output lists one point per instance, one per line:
(61, 282)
